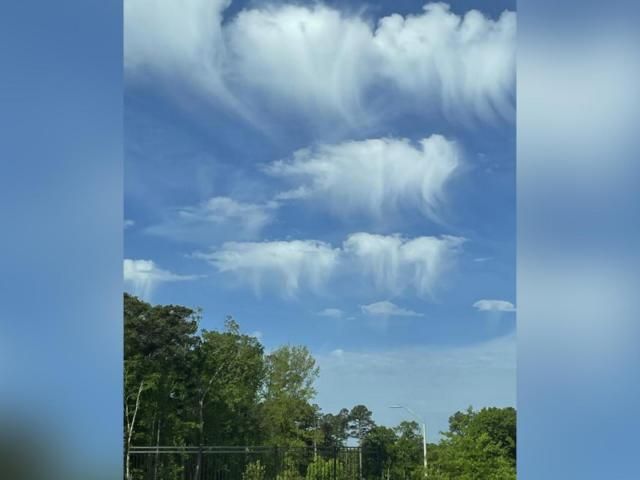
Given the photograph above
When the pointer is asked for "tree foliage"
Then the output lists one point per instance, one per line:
(184, 385)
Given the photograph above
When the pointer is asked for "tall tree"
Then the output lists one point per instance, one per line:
(287, 413)
(360, 422)
(379, 448)
(158, 341)
(334, 428)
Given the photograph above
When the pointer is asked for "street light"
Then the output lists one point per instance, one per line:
(424, 433)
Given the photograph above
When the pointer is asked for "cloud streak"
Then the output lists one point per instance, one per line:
(494, 306)
(322, 61)
(396, 263)
(207, 221)
(285, 266)
(143, 276)
(331, 313)
(398, 174)
(388, 309)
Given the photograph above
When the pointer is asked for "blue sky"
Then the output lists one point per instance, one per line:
(339, 175)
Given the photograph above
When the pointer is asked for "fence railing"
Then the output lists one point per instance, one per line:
(247, 463)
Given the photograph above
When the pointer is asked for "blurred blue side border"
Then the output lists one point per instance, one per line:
(61, 241)
(578, 238)
(61, 238)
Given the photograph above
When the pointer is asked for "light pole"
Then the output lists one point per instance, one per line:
(424, 434)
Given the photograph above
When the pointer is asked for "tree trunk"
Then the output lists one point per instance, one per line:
(200, 438)
(130, 429)
(155, 465)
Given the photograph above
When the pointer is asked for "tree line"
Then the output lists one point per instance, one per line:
(187, 386)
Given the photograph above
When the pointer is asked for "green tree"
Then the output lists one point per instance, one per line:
(334, 428)
(478, 445)
(158, 341)
(228, 370)
(360, 422)
(378, 452)
(288, 418)
(407, 452)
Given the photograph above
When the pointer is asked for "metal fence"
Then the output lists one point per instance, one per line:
(246, 463)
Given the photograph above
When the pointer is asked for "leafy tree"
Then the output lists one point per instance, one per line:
(158, 341)
(287, 415)
(408, 452)
(378, 452)
(334, 428)
(478, 445)
(360, 422)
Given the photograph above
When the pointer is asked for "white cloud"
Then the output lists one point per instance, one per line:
(143, 276)
(467, 62)
(210, 219)
(331, 312)
(398, 174)
(388, 309)
(482, 259)
(281, 265)
(397, 263)
(320, 60)
(494, 306)
(176, 40)
(433, 381)
(128, 224)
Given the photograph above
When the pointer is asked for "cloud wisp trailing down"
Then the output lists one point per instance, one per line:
(205, 222)
(494, 306)
(398, 174)
(386, 308)
(142, 277)
(284, 265)
(398, 264)
(325, 62)
(395, 263)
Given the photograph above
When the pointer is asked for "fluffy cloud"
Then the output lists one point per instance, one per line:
(282, 265)
(331, 312)
(494, 306)
(204, 222)
(398, 173)
(388, 309)
(143, 276)
(438, 380)
(397, 263)
(320, 60)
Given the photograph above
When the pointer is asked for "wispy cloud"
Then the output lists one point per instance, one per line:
(494, 306)
(141, 277)
(482, 259)
(128, 223)
(331, 313)
(388, 309)
(398, 174)
(321, 60)
(282, 265)
(205, 222)
(396, 263)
